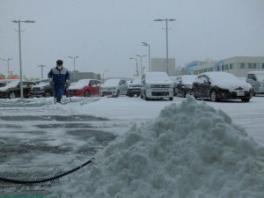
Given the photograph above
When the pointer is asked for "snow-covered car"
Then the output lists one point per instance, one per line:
(221, 85)
(85, 87)
(134, 88)
(183, 85)
(114, 87)
(12, 89)
(256, 79)
(156, 85)
(42, 89)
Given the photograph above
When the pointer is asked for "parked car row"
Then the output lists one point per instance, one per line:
(214, 86)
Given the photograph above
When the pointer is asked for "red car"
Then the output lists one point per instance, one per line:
(85, 87)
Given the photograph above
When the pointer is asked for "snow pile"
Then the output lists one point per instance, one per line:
(190, 151)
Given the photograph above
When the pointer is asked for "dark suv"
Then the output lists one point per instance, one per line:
(42, 89)
(12, 89)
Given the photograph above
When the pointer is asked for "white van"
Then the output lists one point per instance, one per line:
(256, 79)
(156, 85)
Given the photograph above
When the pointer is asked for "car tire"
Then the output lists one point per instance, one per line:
(12, 95)
(117, 94)
(145, 96)
(194, 94)
(47, 94)
(171, 98)
(245, 99)
(213, 96)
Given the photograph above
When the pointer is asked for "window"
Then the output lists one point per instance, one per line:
(226, 67)
(242, 65)
(249, 65)
(230, 66)
(262, 65)
(254, 65)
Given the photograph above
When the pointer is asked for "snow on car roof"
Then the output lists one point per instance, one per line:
(80, 84)
(216, 76)
(226, 80)
(111, 82)
(10, 85)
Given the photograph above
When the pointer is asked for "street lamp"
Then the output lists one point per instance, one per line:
(167, 46)
(41, 70)
(8, 64)
(147, 45)
(20, 52)
(136, 60)
(141, 61)
(74, 61)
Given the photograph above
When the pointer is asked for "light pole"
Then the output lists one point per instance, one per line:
(8, 65)
(74, 66)
(167, 39)
(74, 61)
(147, 45)
(136, 60)
(41, 70)
(141, 62)
(20, 52)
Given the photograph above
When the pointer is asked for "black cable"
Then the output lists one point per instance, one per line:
(26, 182)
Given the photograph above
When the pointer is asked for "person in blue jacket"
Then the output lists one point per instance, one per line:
(59, 78)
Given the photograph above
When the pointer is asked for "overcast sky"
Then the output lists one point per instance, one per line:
(105, 33)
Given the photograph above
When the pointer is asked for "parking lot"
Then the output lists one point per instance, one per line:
(39, 138)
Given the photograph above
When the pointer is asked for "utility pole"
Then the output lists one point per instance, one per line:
(167, 39)
(74, 65)
(136, 60)
(149, 62)
(41, 70)
(20, 53)
(141, 62)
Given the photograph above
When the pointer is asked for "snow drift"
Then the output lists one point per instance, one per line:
(190, 151)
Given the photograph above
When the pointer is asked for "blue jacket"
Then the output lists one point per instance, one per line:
(59, 77)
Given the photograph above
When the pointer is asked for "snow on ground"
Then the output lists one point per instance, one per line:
(52, 137)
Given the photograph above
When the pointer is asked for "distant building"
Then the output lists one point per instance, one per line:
(241, 65)
(238, 65)
(160, 64)
(76, 75)
(197, 67)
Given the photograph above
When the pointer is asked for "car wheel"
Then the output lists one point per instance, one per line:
(47, 94)
(87, 94)
(194, 94)
(117, 93)
(213, 96)
(12, 95)
(171, 98)
(245, 99)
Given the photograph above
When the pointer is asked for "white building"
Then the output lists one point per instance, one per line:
(238, 65)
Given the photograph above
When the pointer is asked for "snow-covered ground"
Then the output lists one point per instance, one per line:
(39, 138)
